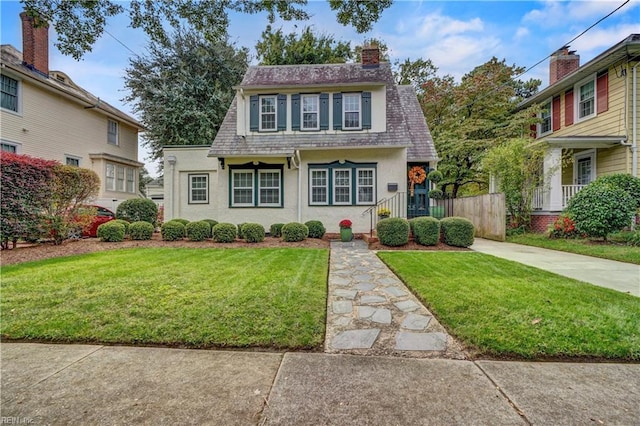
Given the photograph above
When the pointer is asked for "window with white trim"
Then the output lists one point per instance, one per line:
(585, 98)
(545, 115)
(319, 187)
(268, 113)
(112, 132)
(9, 147)
(351, 108)
(341, 184)
(310, 112)
(256, 186)
(9, 95)
(131, 180)
(120, 178)
(269, 188)
(199, 189)
(365, 184)
(242, 190)
(71, 160)
(110, 177)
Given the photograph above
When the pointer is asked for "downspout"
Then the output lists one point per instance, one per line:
(634, 131)
(299, 163)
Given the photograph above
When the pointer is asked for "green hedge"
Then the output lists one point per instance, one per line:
(125, 224)
(224, 232)
(141, 230)
(276, 230)
(111, 232)
(211, 223)
(457, 231)
(172, 230)
(182, 221)
(426, 230)
(393, 231)
(198, 231)
(294, 231)
(137, 209)
(239, 230)
(316, 229)
(253, 232)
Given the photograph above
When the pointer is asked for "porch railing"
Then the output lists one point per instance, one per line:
(568, 191)
(397, 205)
(538, 198)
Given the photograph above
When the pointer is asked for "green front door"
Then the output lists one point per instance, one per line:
(418, 200)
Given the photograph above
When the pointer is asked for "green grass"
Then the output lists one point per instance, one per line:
(503, 308)
(272, 298)
(612, 251)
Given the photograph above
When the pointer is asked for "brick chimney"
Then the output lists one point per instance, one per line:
(562, 62)
(35, 43)
(370, 56)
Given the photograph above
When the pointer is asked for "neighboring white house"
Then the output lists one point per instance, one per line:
(307, 142)
(45, 114)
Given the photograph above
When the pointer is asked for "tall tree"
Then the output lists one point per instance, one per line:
(79, 24)
(183, 87)
(416, 73)
(275, 48)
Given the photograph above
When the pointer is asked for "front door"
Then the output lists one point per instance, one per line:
(418, 201)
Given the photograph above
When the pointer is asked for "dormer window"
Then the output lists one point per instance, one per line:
(310, 111)
(268, 113)
(351, 111)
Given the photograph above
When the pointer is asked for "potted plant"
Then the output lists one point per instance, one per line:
(346, 234)
(383, 213)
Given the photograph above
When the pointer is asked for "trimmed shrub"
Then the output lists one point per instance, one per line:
(224, 233)
(563, 227)
(393, 231)
(197, 231)
(253, 232)
(211, 223)
(125, 224)
(172, 230)
(276, 230)
(626, 182)
(436, 194)
(426, 230)
(111, 231)
(600, 209)
(240, 234)
(182, 221)
(294, 231)
(137, 209)
(435, 176)
(141, 230)
(457, 231)
(316, 229)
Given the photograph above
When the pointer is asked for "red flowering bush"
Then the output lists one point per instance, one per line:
(564, 227)
(345, 223)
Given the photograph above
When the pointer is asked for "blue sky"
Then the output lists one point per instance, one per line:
(456, 35)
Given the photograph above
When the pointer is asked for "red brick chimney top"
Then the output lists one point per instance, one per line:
(370, 56)
(35, 43)
(563, 62)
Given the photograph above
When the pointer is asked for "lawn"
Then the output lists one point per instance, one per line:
(612, 251)
(274, 298)
(503, 308)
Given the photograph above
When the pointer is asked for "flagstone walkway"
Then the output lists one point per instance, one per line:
(371, 312)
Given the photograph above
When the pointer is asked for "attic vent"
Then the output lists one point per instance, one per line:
(60, 78)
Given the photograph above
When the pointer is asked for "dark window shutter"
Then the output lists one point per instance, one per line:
(555, 118)
(602, 85)
(337, 111)
(253, 113)
(295, 112)
(324, 111)
(568, 108)
(282, 112)
(366, 110)
(533, 130)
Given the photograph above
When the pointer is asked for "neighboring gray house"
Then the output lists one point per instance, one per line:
(305, 142)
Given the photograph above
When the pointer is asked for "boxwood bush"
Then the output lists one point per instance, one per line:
(240, 234)
(276, 230)
(141, 230)
(253, 232)
(393, 231)
(198, 230)
(125, 224)
(172, 230)
(316, 229)
(224, 232)
(457, 231)
(426, 230)
(294, 231)
(211, 223)
(182, 221)
(137, 209)
(111, 232)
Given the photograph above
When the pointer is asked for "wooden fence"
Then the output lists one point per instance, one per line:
(487, 212)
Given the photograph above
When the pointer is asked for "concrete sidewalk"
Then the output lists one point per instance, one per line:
(624, 277)
(91, 384)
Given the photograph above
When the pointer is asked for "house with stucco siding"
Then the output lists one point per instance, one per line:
(307, 142)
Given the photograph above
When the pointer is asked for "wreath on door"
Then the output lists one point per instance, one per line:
(417, 175)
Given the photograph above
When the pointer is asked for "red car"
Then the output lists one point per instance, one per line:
(103, 215)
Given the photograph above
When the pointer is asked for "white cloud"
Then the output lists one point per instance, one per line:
(522, 32)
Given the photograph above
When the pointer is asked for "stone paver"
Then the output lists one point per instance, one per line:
(371, 312)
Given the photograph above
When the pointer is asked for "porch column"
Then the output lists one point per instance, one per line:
(552, 167)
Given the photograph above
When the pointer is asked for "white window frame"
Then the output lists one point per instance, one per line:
(345, 110)
(17, 146)
(278, 187)
(542, 116)
(110, 177)
(72, 158)
(130, 180)
(262, 113)
(120, 179)
(303, 112)
(18, 110)
(251, 187)
(335, 186)
(198, 188)
(372, 186)
(113, 136)
(577, 101)
(325, 186)
(592, 155)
